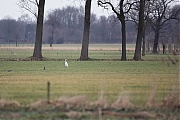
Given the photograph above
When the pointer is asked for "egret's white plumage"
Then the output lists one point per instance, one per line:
(66, 64)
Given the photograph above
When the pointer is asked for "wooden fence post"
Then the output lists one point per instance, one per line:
(48, 92)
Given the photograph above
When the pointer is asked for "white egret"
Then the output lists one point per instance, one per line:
(66, 64)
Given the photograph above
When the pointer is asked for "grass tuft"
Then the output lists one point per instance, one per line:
(40, 103)
(152, 98)
(77, 101)
(60, 102)
(101, 103)
(5, 103)
(123, 103)
(171, 101)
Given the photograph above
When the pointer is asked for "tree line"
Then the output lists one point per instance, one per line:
(143, 22)
(64, 26)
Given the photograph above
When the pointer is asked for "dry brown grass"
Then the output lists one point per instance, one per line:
(171, 101)
(72, 107)
(152, 98)
(60, 102)
(64, 48)
(73, 115)
(40, 103)
(77, 101)
(123, 102)
(5, 103)
(100, 103)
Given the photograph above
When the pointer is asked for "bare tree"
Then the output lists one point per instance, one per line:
(120, 13)
(53, 22)
(37, 54)
(85, 41)
(65, 24)
(137, 54)
(134, 17)
(103, 22)
(174, 25)
(158, 18)
(28, 5)
(8, 29)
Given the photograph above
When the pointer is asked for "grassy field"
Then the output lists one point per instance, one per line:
(62, 51)
(72, 51)
(26, 81)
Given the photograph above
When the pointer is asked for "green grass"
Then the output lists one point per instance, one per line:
(27, 82)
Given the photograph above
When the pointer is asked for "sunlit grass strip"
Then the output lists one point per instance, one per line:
(27, 89)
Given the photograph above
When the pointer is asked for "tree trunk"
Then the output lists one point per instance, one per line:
(52, 38)
(37, 54)
(123, 57)
(164, 48)
(155, 46)
(16, 42)
(85, 41)
(143, 44)
(137, 54)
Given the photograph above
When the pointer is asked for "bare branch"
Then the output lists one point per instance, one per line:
(103, 4)
(37, 2)
(130, 6)
(29, 5)
(33, 2)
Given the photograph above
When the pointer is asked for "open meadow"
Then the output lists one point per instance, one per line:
(104, 78)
